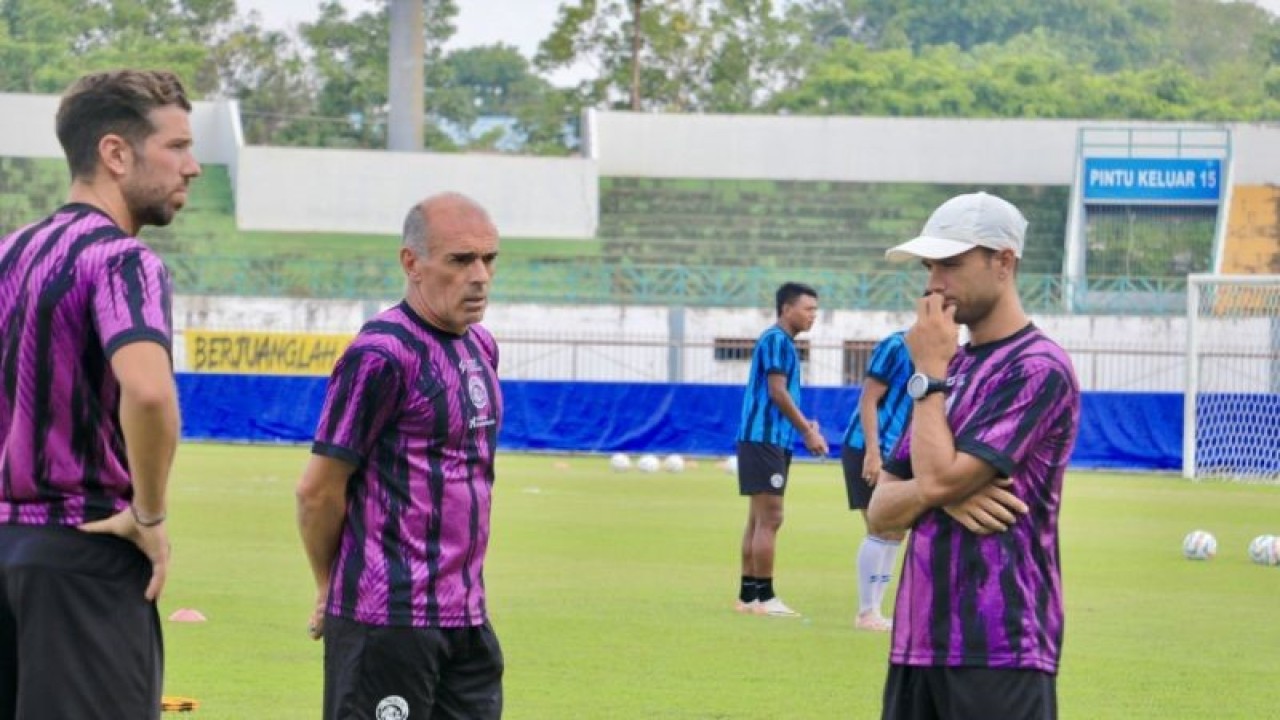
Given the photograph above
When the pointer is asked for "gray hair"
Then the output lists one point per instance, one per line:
(415, 230)
(417, 223)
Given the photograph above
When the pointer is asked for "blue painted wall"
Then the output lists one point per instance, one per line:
(1117, 430)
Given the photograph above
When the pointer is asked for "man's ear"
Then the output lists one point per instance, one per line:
(407, 261)
(1008, 262)
(115, 154)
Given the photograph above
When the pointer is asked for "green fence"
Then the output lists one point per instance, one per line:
(599, 281)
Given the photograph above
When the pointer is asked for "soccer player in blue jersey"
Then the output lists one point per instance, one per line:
(978, 622)
(771, 418)
(89, 411)
(882, 414)
(393, 507)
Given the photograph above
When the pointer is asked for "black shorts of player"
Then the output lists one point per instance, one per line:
(373, 672)
(74, 620)
(938, 693)
(762, 468)
(855, 486)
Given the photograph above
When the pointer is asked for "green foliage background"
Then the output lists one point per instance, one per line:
(327, 85)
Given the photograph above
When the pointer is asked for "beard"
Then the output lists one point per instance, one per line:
(973, 310)
(158, 213)
(149, 203)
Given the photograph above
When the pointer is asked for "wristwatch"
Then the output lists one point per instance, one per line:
(919, 385)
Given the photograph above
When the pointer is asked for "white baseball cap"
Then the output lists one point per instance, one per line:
(963, 223)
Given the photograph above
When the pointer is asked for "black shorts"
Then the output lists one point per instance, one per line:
(935, 693)
(378, 673)
(762, 468)
(71, 605)
(855, 486)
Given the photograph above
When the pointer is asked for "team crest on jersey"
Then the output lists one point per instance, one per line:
(392, 707)
(776, 480)
(479, 395)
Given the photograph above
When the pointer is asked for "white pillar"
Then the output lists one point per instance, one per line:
(405, 73)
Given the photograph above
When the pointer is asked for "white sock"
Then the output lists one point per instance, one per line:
(886, 560)
(868, 571)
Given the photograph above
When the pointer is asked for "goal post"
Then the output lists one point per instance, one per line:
(1231, 403)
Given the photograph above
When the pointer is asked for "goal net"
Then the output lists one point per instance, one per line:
(1232, 403)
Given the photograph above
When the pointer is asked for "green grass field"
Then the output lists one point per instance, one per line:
(612, 595)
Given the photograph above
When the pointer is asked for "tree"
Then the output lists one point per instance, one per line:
(756, 52)
(46, 44)
(350, 57)
(497, 81)
(997, 68)
(680, 55)
(853, 79)
(266, 73)
(1107, 34)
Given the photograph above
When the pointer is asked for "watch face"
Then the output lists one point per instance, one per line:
(917, 386)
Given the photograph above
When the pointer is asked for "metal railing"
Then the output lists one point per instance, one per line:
(1147, 364)
(597, 281)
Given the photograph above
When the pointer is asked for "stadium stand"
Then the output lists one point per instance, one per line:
(795, 225)
(33, 187)
(661, 240)
(1253, 231)
(29, 188)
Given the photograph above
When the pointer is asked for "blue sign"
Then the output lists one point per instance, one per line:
(1152, 180)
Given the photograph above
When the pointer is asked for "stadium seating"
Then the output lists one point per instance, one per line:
(1253, 231)
(32, 187)
(797, 225)
(659, 240)
(29, 188)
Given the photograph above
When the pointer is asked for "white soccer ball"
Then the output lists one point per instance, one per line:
(1199, 545)
(730, 465)
(648, 463)
(620, 462)
(1265, 550)
(673, 463)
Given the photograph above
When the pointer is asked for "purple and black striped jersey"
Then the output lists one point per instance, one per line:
(417, 411)
(74, 288)
(994, 601)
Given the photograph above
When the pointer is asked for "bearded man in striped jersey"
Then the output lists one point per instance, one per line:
(978, 622)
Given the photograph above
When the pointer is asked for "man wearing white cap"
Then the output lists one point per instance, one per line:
(978, 621)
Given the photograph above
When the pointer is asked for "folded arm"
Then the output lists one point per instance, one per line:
(944, 477)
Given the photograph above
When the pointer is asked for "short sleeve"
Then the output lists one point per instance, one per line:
(132, 298)
(363, 397)
(1024, 408)
(774, 355)
(890, 361)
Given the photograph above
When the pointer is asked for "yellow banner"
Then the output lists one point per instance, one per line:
(263, 353)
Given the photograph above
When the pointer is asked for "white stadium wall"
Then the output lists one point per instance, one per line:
(364, 192)
(877, 150)
(27, 128)
(369, 191)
